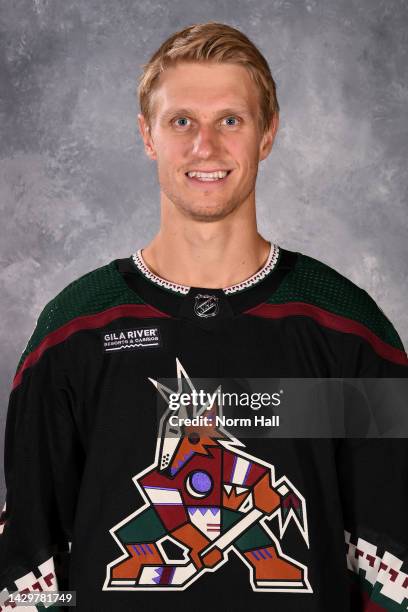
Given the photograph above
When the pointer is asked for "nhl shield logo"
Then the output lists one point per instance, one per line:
(206, 305)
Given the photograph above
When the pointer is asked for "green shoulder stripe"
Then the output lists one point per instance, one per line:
(317, 284)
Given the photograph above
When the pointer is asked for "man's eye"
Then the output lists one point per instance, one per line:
(181, 119)
(233, 119)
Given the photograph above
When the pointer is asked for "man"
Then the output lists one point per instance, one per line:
(131, 511)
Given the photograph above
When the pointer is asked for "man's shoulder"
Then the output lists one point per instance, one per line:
(332, 298)
(84, 299)
(92, 292)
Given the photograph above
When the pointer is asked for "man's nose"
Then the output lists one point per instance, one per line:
(206, 142)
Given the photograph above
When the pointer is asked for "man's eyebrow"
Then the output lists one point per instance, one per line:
(231, 110)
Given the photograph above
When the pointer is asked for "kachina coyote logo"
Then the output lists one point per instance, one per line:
(206, 498)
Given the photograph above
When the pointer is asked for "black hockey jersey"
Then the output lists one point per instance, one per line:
(134, 511)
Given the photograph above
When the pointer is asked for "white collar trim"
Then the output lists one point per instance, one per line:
(184, 289)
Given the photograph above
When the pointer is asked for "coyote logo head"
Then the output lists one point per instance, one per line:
(178, 443)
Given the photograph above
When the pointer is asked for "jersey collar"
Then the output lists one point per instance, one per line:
(266, 269)
(206, 306)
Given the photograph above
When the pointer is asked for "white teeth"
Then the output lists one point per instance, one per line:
(219, 174)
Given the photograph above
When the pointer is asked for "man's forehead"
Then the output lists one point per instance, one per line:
(186, 86)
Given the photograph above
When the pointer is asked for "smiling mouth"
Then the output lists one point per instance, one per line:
(211, 177)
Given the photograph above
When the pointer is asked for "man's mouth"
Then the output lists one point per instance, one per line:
(208, 177)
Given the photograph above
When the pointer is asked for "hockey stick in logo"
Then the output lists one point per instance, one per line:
(254, 516)
(227, 538)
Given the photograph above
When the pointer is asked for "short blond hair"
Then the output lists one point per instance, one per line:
(206, 42)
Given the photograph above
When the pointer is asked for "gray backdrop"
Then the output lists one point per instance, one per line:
(77, 191)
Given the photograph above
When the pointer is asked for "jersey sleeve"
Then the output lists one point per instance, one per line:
(43, 458)
(373, 484)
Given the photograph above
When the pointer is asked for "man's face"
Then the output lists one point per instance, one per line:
(205, 119)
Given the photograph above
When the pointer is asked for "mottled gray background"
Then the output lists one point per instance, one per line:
(76, 189)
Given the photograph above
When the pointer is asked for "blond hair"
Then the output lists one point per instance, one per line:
(212, 41)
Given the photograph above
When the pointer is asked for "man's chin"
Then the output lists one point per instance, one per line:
(207, 213)
(209, 210)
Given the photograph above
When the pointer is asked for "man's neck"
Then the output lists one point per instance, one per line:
(205, 257)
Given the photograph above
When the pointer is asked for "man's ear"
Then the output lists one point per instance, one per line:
(145, 132)
(269, 137)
